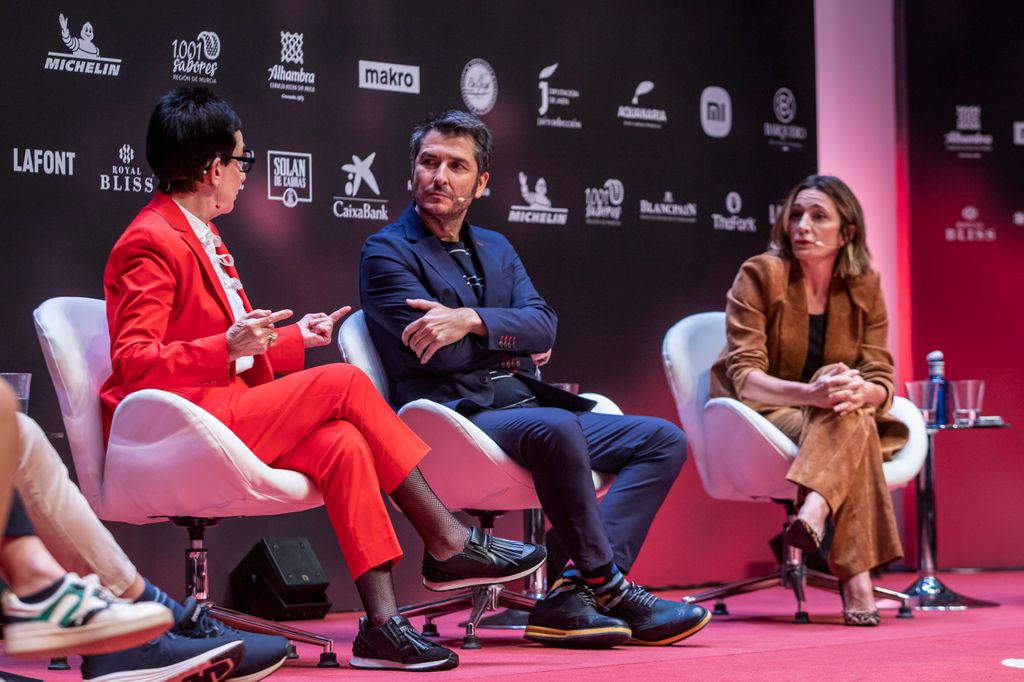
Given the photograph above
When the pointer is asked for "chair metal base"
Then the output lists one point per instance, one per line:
(928, 593)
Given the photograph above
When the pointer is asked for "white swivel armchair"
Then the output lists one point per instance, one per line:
(158, 441)
(469, 472)
(740, 455)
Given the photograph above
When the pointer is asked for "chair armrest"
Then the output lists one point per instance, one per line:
(908, 460)
(605, 405)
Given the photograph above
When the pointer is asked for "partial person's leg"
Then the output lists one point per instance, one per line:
(8, 448)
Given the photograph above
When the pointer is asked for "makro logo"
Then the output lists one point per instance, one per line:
(195, 61)
(781, 133)
(390, 77)
(44, 161)
(604, 204)
(290, 177)
(636, 116)
(555, 97)
(84, 54)
(293, 83)
(352, 207)
(479, 86)
(715, 111)
(968, 141)
(538, 208)
(668, 210)
(970, 228)
(733, 222)
(126, 176)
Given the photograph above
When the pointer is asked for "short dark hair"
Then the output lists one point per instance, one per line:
(190, 127)
(456, 122)
(854, 258)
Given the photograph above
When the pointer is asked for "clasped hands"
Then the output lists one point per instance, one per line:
(842, 390)
(254, 333)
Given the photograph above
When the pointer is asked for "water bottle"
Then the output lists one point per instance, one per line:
(937, 375)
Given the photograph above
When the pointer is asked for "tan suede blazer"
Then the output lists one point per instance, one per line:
(767, 328)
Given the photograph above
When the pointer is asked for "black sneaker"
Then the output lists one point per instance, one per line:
(485, 560)
(654, 621)
(567, 616)
(168, 657)
(263, 653)
(397, 645)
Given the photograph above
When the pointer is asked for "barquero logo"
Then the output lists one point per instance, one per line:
(293, 83)
(668, 210)
(350, 205)
(195, 61)
(479, 86)
(733, 222)
(83, 54)
(781, 133)
(390, 77)
(125, 175)
(290, 177)
(604, 204)
(538, 208)
(636, 116)
(555, 97)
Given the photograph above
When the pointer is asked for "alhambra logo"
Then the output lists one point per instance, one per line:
(636, 116)
(968, 141)
(195, 61)
(125, 175)
(294, 83)
(360, 180)
(83, 55)
(554, 99)
(538, 208)
(290, 177)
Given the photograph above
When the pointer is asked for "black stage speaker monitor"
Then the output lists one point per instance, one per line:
(281, 579)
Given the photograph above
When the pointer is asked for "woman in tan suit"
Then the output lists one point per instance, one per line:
(806, 326)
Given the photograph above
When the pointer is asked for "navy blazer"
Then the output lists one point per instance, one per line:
(405, 260)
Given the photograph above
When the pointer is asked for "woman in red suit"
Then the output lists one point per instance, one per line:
(180, 321)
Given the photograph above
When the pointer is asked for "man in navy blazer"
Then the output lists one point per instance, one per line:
(457, 320)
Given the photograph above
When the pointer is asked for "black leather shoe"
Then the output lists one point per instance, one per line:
(568, 617)
(397, 645)
(654, 621)
(484, 560)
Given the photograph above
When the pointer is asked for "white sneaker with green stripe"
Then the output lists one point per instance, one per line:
(80, 617)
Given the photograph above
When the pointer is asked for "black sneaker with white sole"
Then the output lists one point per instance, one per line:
(263, 653)
(397, 645)
(168, 657)
(484, 560)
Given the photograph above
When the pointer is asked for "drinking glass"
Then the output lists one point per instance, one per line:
(968, 395)
(20, 382)
(925, 395)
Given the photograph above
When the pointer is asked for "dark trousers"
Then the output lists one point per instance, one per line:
(560, 448)
(18, 523)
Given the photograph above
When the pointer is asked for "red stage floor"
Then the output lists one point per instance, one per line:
(756, 642)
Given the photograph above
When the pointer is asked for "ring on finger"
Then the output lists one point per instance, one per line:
(271, 339)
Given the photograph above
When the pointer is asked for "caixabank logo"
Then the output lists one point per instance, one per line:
(359, 182)
(125, 175)
(290, 177)
(293, 83)
(83, 55)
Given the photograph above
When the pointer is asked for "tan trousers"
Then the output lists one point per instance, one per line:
(840, 458)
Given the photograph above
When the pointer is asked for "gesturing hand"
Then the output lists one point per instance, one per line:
(316, 328)
(438, 328)
(253, 333)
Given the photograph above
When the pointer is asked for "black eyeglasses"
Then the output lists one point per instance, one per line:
(244, 162)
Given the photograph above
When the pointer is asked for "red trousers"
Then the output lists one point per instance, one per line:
(332, 425)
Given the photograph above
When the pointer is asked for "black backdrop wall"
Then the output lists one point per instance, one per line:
(664, 133)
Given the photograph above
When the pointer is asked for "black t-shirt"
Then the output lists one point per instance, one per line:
(815, 345)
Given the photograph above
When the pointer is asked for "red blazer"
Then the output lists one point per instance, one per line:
(168, 315)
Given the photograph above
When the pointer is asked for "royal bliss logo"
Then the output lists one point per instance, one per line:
(390, 77)
(970, 228)
(968, 141)
(557, 98)
(294, 83)
(195, 61)
(351, 206)
(604, 204)
(636, 116)
(125, 176)
(538, 208)
(479, 86)
(290, 177)
(781, 133)
(83, 54)
(668, 210)
(733, 222)
(44, 161)
(715, 111)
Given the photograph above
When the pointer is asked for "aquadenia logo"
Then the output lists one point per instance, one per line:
(970, 228)
(290, 177)
(968, 141)
(557, 98)
(350, 205)
(293, 83)
(604, 204)
(43, 161)
(668, 210)
(715, 111)
(636, 116)
(83, 54)
(479, 86)
(126, 176)
(195, 61)
(781, 133)
(538, 208)
(733, 222)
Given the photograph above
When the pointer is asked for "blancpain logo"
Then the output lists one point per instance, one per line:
(733, 222)
(604, 204)
(294, 84)
(195, 61)
(290, 177)
(538, 208)
(555, 97)
(967, 141)
(350, 206)
(45, 161)
(84, 54)
(125, 176)
(668, 210)
(479, 86)
(782, 134)
(715, 111)
(390, 77)
(642, 117)
(969, 228)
